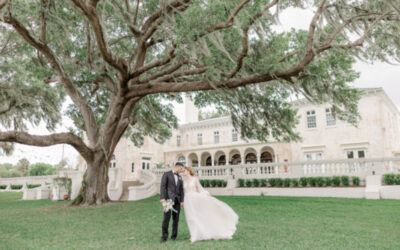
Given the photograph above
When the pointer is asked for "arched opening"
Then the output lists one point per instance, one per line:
(193, 161)
(220, 158)
(206, 159)
(234, 157)
(251, 158)
(267, 155)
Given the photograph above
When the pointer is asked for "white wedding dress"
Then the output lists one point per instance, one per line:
(207, 217)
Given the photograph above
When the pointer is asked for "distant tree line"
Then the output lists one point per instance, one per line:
(25, 168)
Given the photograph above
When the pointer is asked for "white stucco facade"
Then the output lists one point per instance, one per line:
(214, 142)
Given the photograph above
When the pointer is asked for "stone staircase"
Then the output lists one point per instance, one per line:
(125, 188)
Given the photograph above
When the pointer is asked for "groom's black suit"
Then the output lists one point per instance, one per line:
(174, 191)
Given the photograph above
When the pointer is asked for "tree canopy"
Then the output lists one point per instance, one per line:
(121, 62)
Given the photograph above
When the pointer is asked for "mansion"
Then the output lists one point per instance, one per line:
(215, 142)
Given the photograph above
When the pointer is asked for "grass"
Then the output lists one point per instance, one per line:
(265, 223)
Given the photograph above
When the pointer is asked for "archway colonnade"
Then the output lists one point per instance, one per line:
(230, 156)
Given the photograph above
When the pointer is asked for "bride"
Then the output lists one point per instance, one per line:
(207, 217)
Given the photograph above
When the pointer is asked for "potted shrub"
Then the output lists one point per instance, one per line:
(355, 180)
(279, 182)
(303, 181)
(312, 181)
(206, 183)
(389, 179)
(248, 183)
(241, 183)
(320, 181)
(397, 179)
(286, 182)
(263, 182)
(272, 182)
(213, 183)
(295, 182)
(256, 183)
(224, 183)
(336, 181)
(345, 180)
(328, 181)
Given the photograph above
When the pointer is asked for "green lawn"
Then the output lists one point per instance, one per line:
(265, 223)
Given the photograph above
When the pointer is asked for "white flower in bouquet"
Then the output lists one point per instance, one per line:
(168, 205)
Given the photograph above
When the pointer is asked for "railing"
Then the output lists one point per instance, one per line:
(144, 191)
(27, 180)
(356, 167)
(115, 184)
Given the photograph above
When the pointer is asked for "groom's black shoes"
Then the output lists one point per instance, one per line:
(173, 239)
(163, 240)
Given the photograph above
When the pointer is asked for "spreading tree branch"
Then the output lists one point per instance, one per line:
(76, 97)
(91, 13)
(48, 140)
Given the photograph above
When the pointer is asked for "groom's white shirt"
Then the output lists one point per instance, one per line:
(175, 177)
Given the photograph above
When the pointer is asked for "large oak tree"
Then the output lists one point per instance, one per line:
(121, 61)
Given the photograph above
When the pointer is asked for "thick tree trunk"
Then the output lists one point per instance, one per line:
(94, 184)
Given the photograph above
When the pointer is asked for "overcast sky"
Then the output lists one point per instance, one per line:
(372, 75)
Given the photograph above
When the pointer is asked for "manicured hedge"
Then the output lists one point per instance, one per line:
(213, 183)
(391, 179)
(3, 186)
(318, 181)
(15, 187)
(33, 185)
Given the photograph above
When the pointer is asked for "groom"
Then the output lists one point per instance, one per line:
(172, 188)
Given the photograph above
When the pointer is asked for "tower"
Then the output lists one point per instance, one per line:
(191, 111)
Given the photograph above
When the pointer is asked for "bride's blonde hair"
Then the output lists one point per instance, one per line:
(191, 171)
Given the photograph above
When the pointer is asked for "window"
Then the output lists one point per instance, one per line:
(311, 119)
(350, 155)
(178, 140)
(330, 120)
(199, 138)
(216, 136)
(234, 135)
(146, 163)
(315, 156)
(358, 153)
(133, 167)
(182, 159)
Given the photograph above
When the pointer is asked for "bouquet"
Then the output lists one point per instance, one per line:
(168, 205)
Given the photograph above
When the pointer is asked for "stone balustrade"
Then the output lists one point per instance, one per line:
(352, 167)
